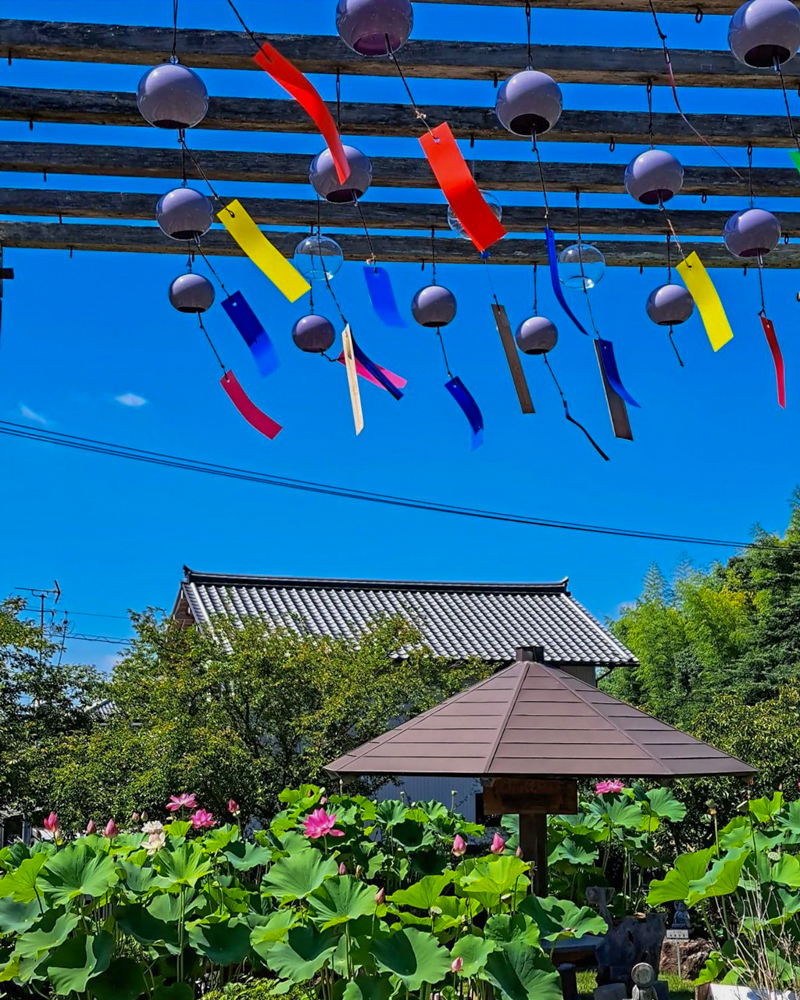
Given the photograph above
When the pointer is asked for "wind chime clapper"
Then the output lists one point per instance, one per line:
(172, 96)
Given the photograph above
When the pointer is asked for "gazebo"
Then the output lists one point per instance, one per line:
(530, 732)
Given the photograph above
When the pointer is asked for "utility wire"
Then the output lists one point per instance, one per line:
(22, 431)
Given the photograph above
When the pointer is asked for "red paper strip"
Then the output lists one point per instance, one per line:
(459, 187)
(248, 409)
(777, 357)
(303, 91)
(397, 380)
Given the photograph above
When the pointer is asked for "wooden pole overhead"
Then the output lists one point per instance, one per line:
(695, 7)
(390, 172)
(424, 216)
(89, 107)
(388, 249)
(204, 48)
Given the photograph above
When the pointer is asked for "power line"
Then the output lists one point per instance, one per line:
(230, 472)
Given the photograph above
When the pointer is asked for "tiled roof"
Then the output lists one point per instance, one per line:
(489, 620)
(533, 720)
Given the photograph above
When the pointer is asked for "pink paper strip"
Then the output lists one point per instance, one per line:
(256, 418)
(397, 380)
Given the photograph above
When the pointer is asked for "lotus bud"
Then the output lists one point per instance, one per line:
(51, 823)
(233, 807)
(436, 911)
(343, 868)
(458, 964)
(323, 801)
(110, 830)
(380, 896)
(459, 846)
(359, 871)
(144, 817)
(498, 844)
(134, 817)
(518, 852)
(90, 828)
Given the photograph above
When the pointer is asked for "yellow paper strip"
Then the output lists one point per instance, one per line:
(352, 378)
(235, 218)
(708, 302)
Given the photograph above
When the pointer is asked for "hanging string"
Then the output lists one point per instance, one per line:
(211, 344)
(570, 418)
(763, 311)
(433, 253)
(241, 21)
(535, 290)
(671, 227)
(669, 259)
(373, 260)
(311, 297)
(444, 353)
(198, 168)
(786, 102)
(485, 260)
(580, 260)
(418, 114)
(674, 346)
(338, 100)
(210, 266)
(342, 316)
(528, 23)
(174, 54)
(650, 131)
(535, 148)
(674, 87)
(183, 165)
(750, 172)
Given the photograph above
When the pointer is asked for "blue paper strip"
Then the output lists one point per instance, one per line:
(550, 236)
(375, 371)
(472, 412)
(612, 372)
(253, 333)
(380, 290)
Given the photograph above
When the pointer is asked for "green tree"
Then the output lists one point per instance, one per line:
(240, 710)
(42, 701)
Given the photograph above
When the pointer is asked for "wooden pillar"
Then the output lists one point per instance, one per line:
(533, 841)
(532, 799)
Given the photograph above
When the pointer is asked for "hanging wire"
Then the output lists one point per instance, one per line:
(485, 258)
(650, 131)
(444, 353)
(675, 346)
(211, 344)
(419, 114)
(580, 260)
(669, 259)
(786, 102)
(569, 417)
(198, 167)
(174, 54)
(433, 253)
(750, 172)
(240, 19)
(667, 219)
(373, 260)
(673, 85)
(528, 24)
(338, 100)
(210, 266)
(763, 310)
(535, 290)
(535, 148)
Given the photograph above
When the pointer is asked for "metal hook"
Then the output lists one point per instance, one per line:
(704, 197)
(698, 15)
(612, 145)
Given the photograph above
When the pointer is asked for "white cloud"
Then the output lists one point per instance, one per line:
(130, 399)
(30, 414)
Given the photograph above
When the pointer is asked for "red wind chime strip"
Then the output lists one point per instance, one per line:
(303, 91)
(459, 187)
(777, 357)
(256, 418)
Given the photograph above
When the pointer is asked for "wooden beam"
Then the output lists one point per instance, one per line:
(390, 172)
(389, 249)
(726, 7)
(378, 215)
(204, 48)
(87, 107)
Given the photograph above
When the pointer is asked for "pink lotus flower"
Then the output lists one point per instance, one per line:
(182, 801)
(459, 845)
(323, 800)
(90, 827)
(320, 824)
(609, 787)
(458, 964)
(110, 830)
(498, 844)
(380, 896)
(202, 819)
(233, 807)
(343, 868)
(51, 823)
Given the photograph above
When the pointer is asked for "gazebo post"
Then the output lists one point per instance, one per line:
(533, 842)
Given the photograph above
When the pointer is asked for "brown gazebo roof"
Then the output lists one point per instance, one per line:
(534, 720)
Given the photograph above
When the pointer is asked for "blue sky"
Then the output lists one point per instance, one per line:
(81, 338)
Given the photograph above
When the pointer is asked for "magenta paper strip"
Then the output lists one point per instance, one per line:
(397, 380)
(256, 418)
